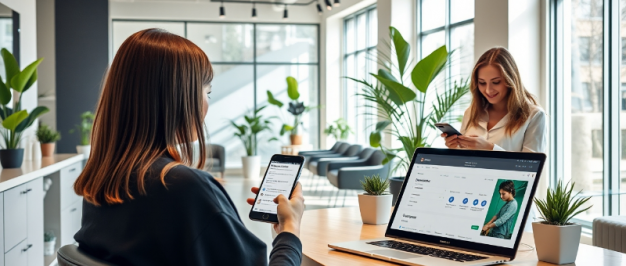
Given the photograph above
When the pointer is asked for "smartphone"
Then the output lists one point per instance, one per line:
(280, 177)
(448, 129)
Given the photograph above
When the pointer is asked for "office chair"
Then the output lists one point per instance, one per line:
(71, 255)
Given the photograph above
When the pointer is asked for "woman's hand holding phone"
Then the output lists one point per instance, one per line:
(452, 141)
(289, 211)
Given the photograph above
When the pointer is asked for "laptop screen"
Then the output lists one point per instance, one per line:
(475, 199)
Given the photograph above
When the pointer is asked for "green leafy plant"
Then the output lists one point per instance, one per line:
(400, 107)
(12, 87)
(561, 205)
(254, 125)
(49, 236)
(84, 128)
(339, 129)
(296, 108)
(375, 185)
(46, 135)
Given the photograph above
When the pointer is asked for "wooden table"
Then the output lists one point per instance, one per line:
(324, 226)
(294, 149)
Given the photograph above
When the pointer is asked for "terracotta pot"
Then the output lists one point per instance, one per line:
(296, 139)
(47, 149)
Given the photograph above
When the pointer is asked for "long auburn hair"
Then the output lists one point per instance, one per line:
(150, 105)
(519, 99)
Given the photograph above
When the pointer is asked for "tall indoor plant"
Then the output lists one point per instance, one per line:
(556, 238)
(248, 134)
(339, 129)
(296, 109)
(401, 107)
(15, 120)
(84, 130)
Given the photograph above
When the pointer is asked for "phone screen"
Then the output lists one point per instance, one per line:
(279, 179)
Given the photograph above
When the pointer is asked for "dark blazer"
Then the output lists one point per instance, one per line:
(191, 221)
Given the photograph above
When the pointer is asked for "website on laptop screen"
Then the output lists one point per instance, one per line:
(475, 199)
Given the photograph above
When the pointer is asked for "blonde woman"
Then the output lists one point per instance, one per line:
(503, 115)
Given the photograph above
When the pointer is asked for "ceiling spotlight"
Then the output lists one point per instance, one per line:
(253, 10)
(337, 3)
(222, 12)
(319, 9)
(328, 5)
(285, 14)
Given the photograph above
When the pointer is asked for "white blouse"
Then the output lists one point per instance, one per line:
(530, 137)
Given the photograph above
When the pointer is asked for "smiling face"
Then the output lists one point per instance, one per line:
(492, 85)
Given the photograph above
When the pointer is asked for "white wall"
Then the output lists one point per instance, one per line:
(47, 68)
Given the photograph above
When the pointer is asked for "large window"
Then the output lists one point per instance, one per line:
(586, 99)
(359, 59)
(450, 23)
(248, 59)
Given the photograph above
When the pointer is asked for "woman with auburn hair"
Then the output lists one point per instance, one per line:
(145, 201)
(503, 115)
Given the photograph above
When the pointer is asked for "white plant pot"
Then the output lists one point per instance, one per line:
(557, 244)
(375, 209)
(251, 166)
(83, 149)
(48, 247)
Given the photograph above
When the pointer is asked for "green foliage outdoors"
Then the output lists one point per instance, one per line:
(339, 129)
(296, 108)
(84, 128)
(560, 205)
(375, 185)
(254, 125)
(401, 107)
(46, 135)
(13, 85)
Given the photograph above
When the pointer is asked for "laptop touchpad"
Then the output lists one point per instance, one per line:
(393, 254)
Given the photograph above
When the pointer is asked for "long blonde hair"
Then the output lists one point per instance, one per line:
(519, 99)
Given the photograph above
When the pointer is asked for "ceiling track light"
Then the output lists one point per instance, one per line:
(285, 14)
(328, 5)
(222, 11)
(337, 3)
(253, 10)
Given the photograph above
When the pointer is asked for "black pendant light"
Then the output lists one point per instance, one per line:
(285, 14)
(319, 8)
(222, 11)
(253, 10)
(328, 5)
(337, 3)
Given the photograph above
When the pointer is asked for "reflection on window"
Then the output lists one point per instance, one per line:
(6, 38)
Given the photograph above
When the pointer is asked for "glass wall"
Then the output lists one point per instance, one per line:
(249, 59)
(359, 59)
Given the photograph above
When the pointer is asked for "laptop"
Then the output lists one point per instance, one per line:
(447, 198)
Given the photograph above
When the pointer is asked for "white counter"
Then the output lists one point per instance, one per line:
(31, 170)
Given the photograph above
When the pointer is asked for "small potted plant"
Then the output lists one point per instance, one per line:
(49, 242)
(47, 137)
(14, 119)
(556, 239)
(375, 203)
(339, 129)
(247, 133)
(296, 109)
(84, 129)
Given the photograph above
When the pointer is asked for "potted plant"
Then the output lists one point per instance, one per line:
(556, 238)
(339, 129)
(401, 107)
(84, 129)
(375, 203)
(247, 133)
(47, 137)
(49, 242)
(296, 108)
(14, 119)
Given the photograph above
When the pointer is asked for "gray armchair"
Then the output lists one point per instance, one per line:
(351, 151)
(215, 159)
(71, 255)
(333, 149)
(348, 175)
(319, 167)
(342, 148)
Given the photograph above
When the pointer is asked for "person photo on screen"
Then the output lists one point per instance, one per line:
(500, 225)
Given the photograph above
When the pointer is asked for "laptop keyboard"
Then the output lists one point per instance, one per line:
(428, 251)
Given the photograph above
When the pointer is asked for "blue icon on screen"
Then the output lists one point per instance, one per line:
(451, 199)
(263, 189)
(483, 203)
(475, 202)
(465, 201)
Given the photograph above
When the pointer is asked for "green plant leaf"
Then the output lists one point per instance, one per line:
(428, 68)
(37, 112)
(285, 128)
(402, 47)
(388, 157)
(386, 74)
(15, 119)
(18, 82)
(271, 100)
(10, 64)
(5, 94)
(375, 138)
(398, 93)
(380, 126)
(292, 88)
(31, 81)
